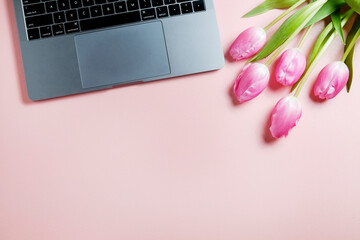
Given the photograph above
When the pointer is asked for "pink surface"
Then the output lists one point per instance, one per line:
(176, 159)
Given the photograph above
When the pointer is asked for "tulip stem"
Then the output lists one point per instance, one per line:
(306, 34)
(276, 20)
(351, 45)
(328, 40)
(275, 55)
(282, 47)
(313, 63)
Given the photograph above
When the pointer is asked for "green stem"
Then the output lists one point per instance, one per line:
(332, 36)
(306, 34)
(281, 48)
(351, 45)
(294, 34)
(276, 20)
(312, 65)
(275, 55)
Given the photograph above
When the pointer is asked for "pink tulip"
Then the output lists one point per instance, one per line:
(248, 43)
(331, 80)
(285, 116)
(290, 67)
(251, 81)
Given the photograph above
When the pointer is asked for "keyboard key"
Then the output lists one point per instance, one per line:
(75, 3)
(132, 5)
(30, 1)
(199, 5)
(174, 9)
(46, 18)
(59, 17)
(33, 34)
(45, 32)
(35, 9)
(108, 21)
(71, 15)
(83, 13)
(186, 7)
(157, 3)
(87, 3)
(96, 11)
(72, 27)
(58, 29)
(120, 7)
(148, 14)
(108, 9)
(145, 3)
(63, 5)
(38, 21)
(51, 6)
(162, 12)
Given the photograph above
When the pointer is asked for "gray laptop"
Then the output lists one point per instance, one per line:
(77, 46)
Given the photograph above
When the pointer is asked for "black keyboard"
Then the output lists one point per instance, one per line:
(48, 18)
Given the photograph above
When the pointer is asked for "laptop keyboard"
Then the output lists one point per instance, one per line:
(49, 18)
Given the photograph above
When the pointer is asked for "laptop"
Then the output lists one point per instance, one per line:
(77, 46)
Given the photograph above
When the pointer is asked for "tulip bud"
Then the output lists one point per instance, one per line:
(251, 81)
(290, 67)
(331, 80)
(248, 43)
(285, 116)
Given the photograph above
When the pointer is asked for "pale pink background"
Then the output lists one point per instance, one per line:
(176, 159)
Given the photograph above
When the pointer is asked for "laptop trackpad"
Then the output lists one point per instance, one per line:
(122, 55)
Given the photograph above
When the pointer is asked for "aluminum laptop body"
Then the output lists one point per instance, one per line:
(71, 56)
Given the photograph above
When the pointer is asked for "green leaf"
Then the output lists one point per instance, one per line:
(325, 33)
(328, 8)
(354, 4)
(349, 62)
(349, 59)
(289, 29)
(269, 5)
(323, 39)
(309, 67)
(335, 18)
(321, 44)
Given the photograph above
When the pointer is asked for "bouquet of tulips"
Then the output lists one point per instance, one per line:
(292, 67)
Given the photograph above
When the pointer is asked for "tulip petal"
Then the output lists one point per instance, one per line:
(331, 80)
(252, 80)
(290, 67)
(248, 43)
(285, 116)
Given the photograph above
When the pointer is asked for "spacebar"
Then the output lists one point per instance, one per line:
(108, 21)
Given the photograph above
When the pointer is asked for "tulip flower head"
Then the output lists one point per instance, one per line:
(252, 80)
(290, 67)
(331, 80)
(285, 116)
(248, 43)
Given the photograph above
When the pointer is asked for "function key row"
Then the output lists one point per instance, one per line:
(86, 3)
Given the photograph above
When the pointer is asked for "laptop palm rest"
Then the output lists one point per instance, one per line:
(122, 55)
